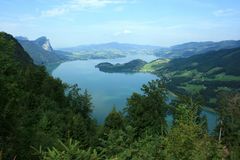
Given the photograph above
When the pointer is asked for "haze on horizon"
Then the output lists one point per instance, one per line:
(154, 22)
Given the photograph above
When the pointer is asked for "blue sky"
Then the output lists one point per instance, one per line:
(156, 22)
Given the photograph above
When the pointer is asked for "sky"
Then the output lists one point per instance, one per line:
(154, 22)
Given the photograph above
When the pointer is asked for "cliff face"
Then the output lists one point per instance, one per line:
(44, 43)
(40, 50)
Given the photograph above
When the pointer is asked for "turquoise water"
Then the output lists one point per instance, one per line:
(109, 89)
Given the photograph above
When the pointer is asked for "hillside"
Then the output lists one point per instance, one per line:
(35, 111)
(41, 51)
(193, 48)
(11, 49)
(205, 74)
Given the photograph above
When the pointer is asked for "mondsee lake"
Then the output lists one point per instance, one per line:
(110, 89)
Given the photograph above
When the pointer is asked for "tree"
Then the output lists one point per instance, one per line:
(229, 126)
(68, 151)
(187, 140)
(148, 111)
(114, 121)
(80, 103)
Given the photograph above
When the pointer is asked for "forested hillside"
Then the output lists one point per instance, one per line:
(205, 74)
(34, 109)
(42, 118)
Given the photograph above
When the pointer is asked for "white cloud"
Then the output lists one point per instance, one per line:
(78, 5)
(225, 12)
(53, 12)
(123, 32)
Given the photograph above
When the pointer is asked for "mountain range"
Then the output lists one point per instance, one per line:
(193, 48)
(110, 50)
(42, 53)
(124, 47)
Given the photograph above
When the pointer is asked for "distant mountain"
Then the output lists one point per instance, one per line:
(44, 43)
(193, 48)
(40, 50)
(111, 46)
(109, 50)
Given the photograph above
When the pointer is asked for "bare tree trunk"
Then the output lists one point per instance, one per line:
(220, 132)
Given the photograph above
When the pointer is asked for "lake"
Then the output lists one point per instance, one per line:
(110, 89)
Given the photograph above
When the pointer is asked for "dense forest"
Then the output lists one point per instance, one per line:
(43, 118)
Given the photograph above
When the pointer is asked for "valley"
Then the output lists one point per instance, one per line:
(206, 74)
(119, 80)
(110, 87)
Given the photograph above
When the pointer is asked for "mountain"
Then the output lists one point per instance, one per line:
(111, 46)
(44, 43)
(110, 50)
(227, 59)
(40, 50)
(206, 74)
(132, 66)
(11, 49)
(193, 48)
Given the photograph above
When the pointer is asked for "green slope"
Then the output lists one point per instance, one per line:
(11, 49)
(34, 108)
(206, 74)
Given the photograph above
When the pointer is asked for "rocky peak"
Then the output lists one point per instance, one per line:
(44, 43)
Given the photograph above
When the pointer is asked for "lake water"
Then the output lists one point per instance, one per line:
(109, 89)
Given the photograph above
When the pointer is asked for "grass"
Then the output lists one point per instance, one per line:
(190, 73)
(154, 65)
(193, 88)
(224, 77)
(213, 70)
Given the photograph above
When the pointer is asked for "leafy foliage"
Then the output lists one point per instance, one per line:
(148, 111)
(68, 151)
(230, 123)
(34, 107)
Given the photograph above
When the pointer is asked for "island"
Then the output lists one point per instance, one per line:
(129, 67)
